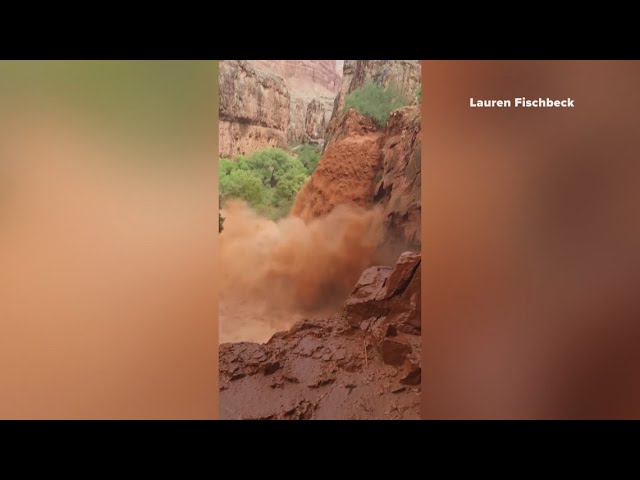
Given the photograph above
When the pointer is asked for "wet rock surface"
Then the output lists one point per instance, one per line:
(400, 183)
(336, 367)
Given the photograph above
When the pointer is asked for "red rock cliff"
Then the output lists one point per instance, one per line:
(266, 103)
(254, 109)
(321, 73)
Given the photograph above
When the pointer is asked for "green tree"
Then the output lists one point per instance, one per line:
(268, 180)
(376, 102)
(270, 164)
(309, 156)
(287, 188)
(242, 184)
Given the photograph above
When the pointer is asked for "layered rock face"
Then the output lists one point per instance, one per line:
(275, 103)
(254, 109)
(361, 364)
(309, 117)
(312, 86)
(323, 73)
(308, 122)
(399, 188)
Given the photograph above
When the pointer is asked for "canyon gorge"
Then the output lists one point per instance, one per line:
(320, 311)
(266, 103)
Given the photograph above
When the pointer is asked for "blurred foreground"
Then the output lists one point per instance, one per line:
(532, 266)
(107, 225)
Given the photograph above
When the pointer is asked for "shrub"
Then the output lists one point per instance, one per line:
(242, 184)
(376, 102)
(270, 165)
(419, 94)
(268, 180)
(309, 156)
(287, 188)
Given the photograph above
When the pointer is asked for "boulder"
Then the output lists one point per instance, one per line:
(402, 273)
(392, 293)
(403, 293)
(394, 350)
(367, 298)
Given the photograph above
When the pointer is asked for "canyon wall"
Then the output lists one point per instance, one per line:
(325, 74)
(254, 109)
(399, 186)
(275, 103)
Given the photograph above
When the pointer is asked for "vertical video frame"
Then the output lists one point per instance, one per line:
(320, 244)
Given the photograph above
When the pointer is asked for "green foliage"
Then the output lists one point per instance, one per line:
(242, 184)
(376, 102)
(287, 188)
(419, 94)
(309, 156)
(268, 180)
(270, 165)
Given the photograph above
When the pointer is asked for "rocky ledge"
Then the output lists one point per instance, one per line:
(364, 363)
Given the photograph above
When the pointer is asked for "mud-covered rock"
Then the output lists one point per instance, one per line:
(403, 293)
(394, 350)
(412, 369)
(392, 293)
(326, 369)
(402, 273)
(367, 299)
(399, 188)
